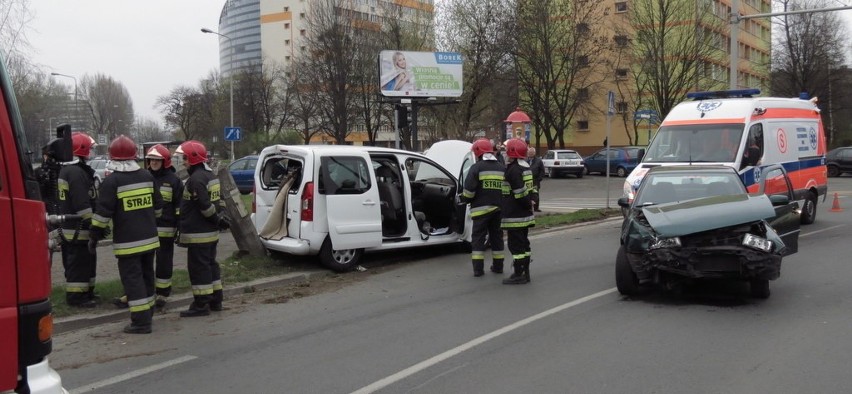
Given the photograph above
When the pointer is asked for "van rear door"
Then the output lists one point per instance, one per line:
(352, 200)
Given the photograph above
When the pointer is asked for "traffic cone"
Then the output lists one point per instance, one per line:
(835, 206)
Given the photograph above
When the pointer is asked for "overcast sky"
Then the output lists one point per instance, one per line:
(150, 46)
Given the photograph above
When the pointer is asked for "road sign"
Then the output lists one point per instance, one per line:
(102, 139)
(233, 134)
(610, 100)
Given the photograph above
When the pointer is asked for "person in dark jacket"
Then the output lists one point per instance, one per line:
(128, 198)
(199, 225)
(76, 196)
(518, 214)
(537, 169)
(483, 189)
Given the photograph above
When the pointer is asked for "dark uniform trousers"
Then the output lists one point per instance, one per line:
(165, 266)
(519, 243)
(204, 274)
(137, 277)
(80, 270)
(486, 230)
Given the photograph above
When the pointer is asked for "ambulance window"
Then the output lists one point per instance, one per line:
(344, 175)
(776, 183)
(753, 151)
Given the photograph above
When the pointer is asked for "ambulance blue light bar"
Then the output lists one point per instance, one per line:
(723, 94)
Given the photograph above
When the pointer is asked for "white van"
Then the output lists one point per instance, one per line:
(340, 201)
(737, 129)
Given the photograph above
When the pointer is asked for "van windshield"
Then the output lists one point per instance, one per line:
(714, 143)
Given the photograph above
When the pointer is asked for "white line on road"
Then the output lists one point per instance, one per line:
(819, 231)
(380, 384)
(131, 375)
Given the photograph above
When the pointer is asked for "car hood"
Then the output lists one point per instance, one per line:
(693, 216)
(450, 154)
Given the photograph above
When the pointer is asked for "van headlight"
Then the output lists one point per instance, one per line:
(660, 243)
(755, 242)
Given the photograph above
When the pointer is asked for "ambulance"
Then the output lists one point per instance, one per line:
(738, 129)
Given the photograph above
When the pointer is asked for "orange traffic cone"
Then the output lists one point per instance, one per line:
(835, 206)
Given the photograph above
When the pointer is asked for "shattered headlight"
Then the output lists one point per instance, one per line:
(672, 242)
(755, 242)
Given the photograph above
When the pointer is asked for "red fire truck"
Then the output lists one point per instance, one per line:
(26, 323)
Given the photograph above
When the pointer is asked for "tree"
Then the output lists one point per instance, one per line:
(109, 104)
(673, 42)
(561, 56)
(15, 16)
(184, 110)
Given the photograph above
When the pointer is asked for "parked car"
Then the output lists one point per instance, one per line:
(563, 161)
(622, 160)
(340, 201)
(838, 161)
(101, 171)
(693, 222)
(243, 172)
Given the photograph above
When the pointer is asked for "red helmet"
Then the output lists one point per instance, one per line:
(160, 152)
(81, 144)
(516, 148)
(481, 147)
(193, 151)
(122, 148)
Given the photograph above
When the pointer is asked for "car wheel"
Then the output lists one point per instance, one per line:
(621, 172)
(339, 260)
(586, 170)
(759, 288)
(625, 279)
(579, 175)
(833, 171)
(809, 208)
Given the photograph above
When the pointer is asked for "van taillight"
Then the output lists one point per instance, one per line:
(308, 202)
(253, 199)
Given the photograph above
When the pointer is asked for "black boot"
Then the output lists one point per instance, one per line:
(120, 302)
(216, 303)
(137, 329)
(140, 322)
(527, 270)
(497, 266)
(478, 268)
(517, 277)
(196, 309)
(80, 300)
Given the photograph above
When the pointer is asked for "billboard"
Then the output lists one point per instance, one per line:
(420, 74)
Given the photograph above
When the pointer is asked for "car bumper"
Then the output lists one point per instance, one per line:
(567, 170)
(715, 262)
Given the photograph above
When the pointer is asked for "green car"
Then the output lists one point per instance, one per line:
(694, 222)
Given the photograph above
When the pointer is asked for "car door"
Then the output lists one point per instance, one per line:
(352, 200)
(774, 181)
(844, 160)
(597, 162)
(243, 173)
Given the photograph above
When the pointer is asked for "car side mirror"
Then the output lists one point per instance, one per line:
(778, 199)
(624, 202)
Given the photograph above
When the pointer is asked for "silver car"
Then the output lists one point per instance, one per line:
(101, 172)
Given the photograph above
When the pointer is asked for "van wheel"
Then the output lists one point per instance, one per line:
(809, 208)
(625, 279)
(833, 171)
(339, 260)
(621, 172)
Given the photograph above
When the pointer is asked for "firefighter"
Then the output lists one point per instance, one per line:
(128, 198)
(158, 161)
(518, 205)
(199, 224)
(77, 194)
(483, 190)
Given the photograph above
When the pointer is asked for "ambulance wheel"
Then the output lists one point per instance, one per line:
(809, 208)
(339, 260)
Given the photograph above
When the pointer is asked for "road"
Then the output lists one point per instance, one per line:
(428, 326)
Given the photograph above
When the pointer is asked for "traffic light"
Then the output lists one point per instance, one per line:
(401, 116)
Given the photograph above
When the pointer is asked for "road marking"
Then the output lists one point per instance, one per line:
(387, 381)
(819, 231)
(131, 375)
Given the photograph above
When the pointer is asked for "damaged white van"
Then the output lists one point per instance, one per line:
(340, 201)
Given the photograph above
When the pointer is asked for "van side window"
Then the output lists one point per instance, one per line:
(776, 183)
(344, 175)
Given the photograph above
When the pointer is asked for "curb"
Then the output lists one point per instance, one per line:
(74, 323)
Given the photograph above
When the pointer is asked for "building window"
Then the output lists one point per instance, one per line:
(583, 61)
(302, 48)
(582, 28)
(583, 125)
(286, 9)
(302, 32)
(286, 25)
(286, 42)
(620, 6)
(582, 94)
(287, 58)
(302, 15)
(621, 73)
(621, 40)
(621, 107)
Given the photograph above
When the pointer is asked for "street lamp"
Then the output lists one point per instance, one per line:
(230, 77)
(76, 111)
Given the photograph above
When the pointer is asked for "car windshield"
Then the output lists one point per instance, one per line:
(696, 143)
(567, 155)
(671, 187)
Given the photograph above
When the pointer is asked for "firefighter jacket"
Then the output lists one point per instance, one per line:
(170, 188)
(77, 195)
(198, 208)
(129, 198)
(483, 186)
(517, 196)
